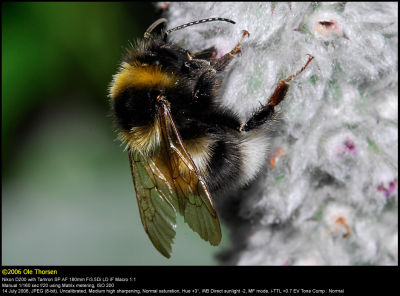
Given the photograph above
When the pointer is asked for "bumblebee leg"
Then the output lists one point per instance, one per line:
(266, 112)
(224, 61)
(206, 54)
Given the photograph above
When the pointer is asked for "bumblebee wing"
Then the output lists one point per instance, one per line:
(153, 195)
(194, 201)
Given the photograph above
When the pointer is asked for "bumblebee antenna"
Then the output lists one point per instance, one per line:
(213, 19)
(158, 22)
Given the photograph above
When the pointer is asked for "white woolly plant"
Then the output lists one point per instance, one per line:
(328, 193)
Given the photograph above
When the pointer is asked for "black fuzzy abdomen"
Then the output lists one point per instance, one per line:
(225, 164)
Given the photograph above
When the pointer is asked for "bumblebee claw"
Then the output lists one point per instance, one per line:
(245, 32)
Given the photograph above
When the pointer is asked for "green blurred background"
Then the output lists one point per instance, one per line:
(67, 193)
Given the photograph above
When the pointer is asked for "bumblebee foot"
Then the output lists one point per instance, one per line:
(287, 79)
(237, 49)
(224, 61)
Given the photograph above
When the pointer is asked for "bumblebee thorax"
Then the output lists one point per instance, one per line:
(140, 76)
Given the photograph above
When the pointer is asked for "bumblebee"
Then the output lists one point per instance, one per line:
(183, 146)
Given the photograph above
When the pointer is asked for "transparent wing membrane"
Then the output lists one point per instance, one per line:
(169, 181)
